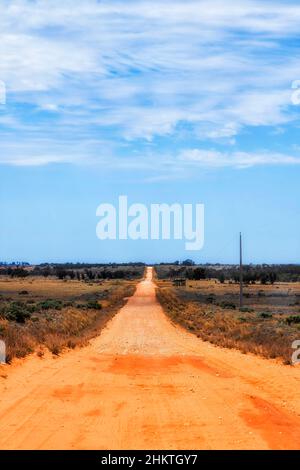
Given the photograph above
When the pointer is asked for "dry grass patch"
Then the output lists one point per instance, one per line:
(56, 314)
(263, 333)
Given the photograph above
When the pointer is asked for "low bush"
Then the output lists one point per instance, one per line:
(17, 311)
(246, 309)
(50, 304)
(227, 305)
(292, 319)
(264, 315)
(242, 319)
(93, 304)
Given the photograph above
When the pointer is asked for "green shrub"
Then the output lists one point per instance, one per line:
(246, 310)
(227, 305)
(68, 303)
(93, 304)
(80, 305)
(292, 319)
(50, 304)
(265, 315)
(18, 312)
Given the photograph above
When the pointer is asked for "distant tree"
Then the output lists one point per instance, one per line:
(19, 272)
(90, 274)
(61, 273)
(199, 273)
(273, 277)
(195, 274)
(188, 262)
(263, 278)
(46, 272)
(120, 274)
(106, 274)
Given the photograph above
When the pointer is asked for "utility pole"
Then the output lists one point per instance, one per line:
(241, 272)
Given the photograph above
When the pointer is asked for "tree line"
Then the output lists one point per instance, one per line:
(80, 272)
(263, 274)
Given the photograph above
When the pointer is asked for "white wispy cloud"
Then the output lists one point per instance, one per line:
(141, 70)
(213, 158)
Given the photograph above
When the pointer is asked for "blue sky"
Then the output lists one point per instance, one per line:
(162, 101)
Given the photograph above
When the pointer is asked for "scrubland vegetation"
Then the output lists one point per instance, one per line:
(45, 312)
(267, 324)
(253, 274)
(78, 271)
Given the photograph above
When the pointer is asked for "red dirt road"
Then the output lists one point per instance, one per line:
(144, 383)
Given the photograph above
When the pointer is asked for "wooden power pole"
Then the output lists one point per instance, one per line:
(241, 272)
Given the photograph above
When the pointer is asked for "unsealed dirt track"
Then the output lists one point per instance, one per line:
(144, 383)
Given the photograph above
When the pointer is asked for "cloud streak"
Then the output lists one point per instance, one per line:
(137, 72)
(213, 158)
